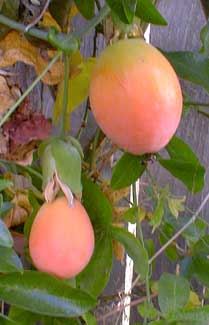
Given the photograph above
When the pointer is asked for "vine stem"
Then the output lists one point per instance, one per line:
(30, 88)
(65, 94)
(43, 35)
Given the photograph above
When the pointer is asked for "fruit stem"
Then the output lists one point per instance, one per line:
(65, 94)
(29, 89)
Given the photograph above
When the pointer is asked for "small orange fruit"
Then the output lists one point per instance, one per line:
(61, 240)
(135, 96)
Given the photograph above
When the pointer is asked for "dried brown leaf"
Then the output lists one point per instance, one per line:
(15, 47)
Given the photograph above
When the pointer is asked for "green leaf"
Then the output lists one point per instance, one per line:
(131, 215)
(4, 183)
(164, 235)
(201, 247)
(197, 316)
(25, 317)
(86, 7)
(190, 66)
(147, 310)
(60, 13)
(133, 248)
(9, 261)
(10, 9)
(117, 7)
(100, 265)
(129, 7)
(96, 204)
(184, 165)
(5, 236)
(68, 164)
(127, 170)
(147, 12)
(204, 36)
(43, 294)
(4, 320)
(199, 268)
(35, 207)
(90, 319)
(158, 214)
(173, 292)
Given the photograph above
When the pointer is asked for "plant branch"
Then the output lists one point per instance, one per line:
(39, 17)
(65, 94)
(30, 88)
(192, 220)
(122, 307)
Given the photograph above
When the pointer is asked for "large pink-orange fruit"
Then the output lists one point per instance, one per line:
(135, 96)
(61, 239)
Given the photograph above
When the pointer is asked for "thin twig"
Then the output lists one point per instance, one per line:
(121, 307)
(65, 94)
(39, 17)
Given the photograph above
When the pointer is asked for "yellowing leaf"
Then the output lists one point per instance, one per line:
(78, 90)
(49, 21)
(176, 205)
(194, 300)
(15, 47)
(6, 98)
(116, 196)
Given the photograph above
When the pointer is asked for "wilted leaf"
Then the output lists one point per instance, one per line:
(176, 205)
(193, 300)
(15, 47)
(6, 98)
(20, 211)
(49, 21)
(115, 196)
(22, 132)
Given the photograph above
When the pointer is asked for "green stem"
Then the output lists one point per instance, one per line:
(43, 35)
(29, 89)
(35, 32)
(139, 230)
(196, 104)
(66, 93)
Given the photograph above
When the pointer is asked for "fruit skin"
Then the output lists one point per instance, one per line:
(61, 240)
(135, 96)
